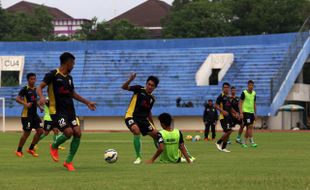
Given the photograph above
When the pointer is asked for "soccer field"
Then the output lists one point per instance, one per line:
(282, 161)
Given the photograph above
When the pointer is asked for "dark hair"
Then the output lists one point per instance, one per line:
(165, 119)
(250, 82)
(30, 75)
(226, 84)
(233, 88)
(210, 100)
(66, 56)
(154, 79)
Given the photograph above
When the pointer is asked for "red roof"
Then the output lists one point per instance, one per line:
(27, 7)
(147, 14)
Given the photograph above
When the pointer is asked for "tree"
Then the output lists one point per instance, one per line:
(26, 27)
(178, 4)
(199, 19)
(117, 30)
(204, 18)
(269, 16)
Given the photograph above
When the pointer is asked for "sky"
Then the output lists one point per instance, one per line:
(102, 9)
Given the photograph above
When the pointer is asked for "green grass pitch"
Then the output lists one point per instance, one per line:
(281, 161)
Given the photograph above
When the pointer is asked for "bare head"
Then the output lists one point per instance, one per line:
(151, 83)
(165, 120)
(67, 60)
(233, 91)
(210, 102)
(225, 88)
(31, 79)
(250, 85)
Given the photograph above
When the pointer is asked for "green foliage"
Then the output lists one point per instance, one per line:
(204, 18)
(26, 27)
(117, 30)
(199, 19)
(9, 78)
(269, 16)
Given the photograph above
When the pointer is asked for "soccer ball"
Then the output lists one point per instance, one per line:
(110, 156)
(197, 138)
(188, 137)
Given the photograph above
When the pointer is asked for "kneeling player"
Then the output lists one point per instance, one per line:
(171, 143)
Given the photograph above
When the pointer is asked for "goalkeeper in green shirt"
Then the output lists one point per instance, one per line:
(170, 143)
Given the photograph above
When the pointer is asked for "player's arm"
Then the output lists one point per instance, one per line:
(217, 106)
(242, 97)
(184, 152)
(150, 118)
(255, 107)
(183, 149)
(234, 113)
(40, 107)
(132, 77)
(159, 150)
(216, 116)
(90, 105)
(20, 100)
(40, 88)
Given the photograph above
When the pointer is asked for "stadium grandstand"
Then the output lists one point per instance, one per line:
(275, 62)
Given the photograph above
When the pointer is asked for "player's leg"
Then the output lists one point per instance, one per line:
(74, 146)
(250, 136)
(207, 130)
(56, 134)
(134, 128)
(222, 142)
(47, 128)
(213, 131)
(226, 139)
(35, 123)
(136, 142)
(63, 125)
(238, 139)
(21, 143)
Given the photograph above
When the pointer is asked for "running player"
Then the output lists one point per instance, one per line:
(61, 93)
(223, 104)
(236, 117)
(170, 143)
(248, 113)
(138, 116)
(27, 96)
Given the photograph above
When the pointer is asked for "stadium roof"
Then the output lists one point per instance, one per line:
(147, 14)
(28, 7)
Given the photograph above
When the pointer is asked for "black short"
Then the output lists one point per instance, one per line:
(248, 119)
(48, 125)
(226, 124)
(144, 125)
(236, 121)
(63, 121)
(30, 123)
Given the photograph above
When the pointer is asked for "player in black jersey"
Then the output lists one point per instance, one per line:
(27, 96)
(235, 104)
(139, 116)
(223, 104)
(61, 93)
